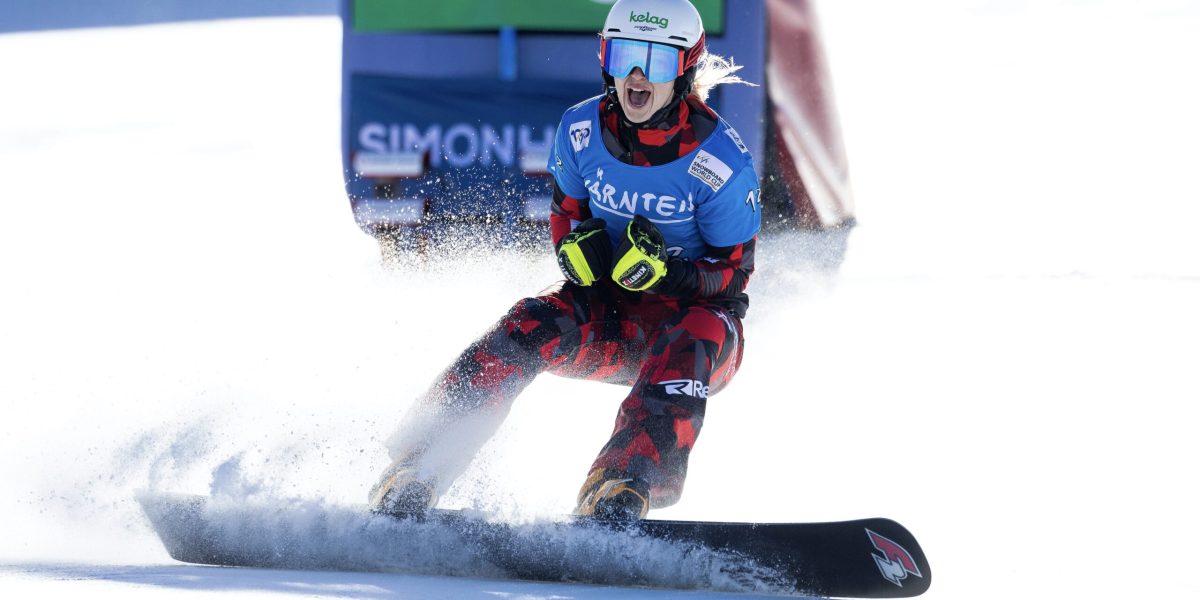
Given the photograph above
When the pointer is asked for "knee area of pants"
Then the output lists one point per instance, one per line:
(530, 322)
(711, 324)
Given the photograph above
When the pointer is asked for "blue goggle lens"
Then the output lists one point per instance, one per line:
(659, 62)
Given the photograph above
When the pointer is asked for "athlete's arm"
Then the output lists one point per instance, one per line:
(565, 213)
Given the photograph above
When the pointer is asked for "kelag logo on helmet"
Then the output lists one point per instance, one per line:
(661, 22)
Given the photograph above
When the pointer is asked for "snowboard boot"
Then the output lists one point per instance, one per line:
(400, 493)
(612, 495)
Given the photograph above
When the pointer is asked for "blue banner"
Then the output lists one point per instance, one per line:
(472, 146)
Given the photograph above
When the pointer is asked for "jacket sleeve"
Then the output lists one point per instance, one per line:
(565, 213)
(722, 273)
(569, 205)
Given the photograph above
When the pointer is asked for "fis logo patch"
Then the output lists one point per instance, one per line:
(710, 170)
(895, 563)
(685, 387)
(581, 134)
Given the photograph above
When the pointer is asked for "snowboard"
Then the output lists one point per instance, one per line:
(866, 558)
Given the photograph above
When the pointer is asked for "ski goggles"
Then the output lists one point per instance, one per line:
(659, 62)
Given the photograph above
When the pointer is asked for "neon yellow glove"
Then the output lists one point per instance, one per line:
(641, 257)
(585, 253)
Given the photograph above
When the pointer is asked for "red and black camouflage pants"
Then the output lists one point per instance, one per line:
(672, 356)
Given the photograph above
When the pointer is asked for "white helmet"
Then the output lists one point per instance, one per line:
(674, 22)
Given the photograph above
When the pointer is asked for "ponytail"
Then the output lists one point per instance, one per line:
(713, 70)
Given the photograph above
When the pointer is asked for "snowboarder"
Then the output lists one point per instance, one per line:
(654, 220)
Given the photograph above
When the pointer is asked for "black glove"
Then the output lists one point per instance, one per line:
(641, 258)
(585, 254)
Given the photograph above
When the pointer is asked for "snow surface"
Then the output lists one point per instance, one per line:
(1006, 363)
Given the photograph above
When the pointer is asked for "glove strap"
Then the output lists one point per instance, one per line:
(575, 266)
(574, 261)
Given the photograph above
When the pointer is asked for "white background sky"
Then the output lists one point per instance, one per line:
(1006, 363)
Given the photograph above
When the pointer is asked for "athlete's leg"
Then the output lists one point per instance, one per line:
(643, 465)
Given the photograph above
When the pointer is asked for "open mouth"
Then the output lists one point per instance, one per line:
(638, 99)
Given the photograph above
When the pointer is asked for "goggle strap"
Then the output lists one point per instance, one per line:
(692, 56)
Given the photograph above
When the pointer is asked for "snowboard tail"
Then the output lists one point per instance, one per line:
(867, 558)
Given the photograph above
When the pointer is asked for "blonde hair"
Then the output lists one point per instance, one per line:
(713, 70)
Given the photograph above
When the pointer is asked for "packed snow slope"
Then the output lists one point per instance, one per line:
(1006, 362)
